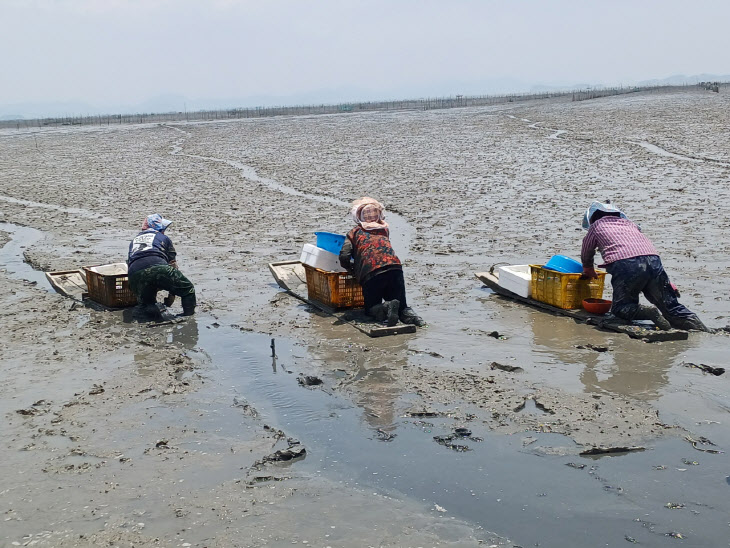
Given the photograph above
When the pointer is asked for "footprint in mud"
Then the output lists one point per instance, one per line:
(266, 479)
(534, 407)
(247, 408)
(38, 408)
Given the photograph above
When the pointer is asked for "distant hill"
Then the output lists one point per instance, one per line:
(172, 102)
(680, 79)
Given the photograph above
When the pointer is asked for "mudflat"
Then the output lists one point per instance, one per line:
(194, 434)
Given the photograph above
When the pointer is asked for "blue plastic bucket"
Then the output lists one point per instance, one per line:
(329, 241)
(566, 265)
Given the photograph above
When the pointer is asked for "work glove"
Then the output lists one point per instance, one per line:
(589, 273)
(169, 300)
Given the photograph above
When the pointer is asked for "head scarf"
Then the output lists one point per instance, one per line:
(607, 207)
(155, 222)
(369, 214)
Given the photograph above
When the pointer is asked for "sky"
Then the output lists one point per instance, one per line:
(113, 55)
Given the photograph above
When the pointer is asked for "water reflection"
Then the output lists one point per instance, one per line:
(630, 367)
(275, 359)
(369, 374)
(376, 389)
(184, 335)
(640, 374)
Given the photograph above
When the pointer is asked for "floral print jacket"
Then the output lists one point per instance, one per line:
(372, 252)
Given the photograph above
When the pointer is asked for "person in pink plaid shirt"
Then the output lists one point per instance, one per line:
(635, 268)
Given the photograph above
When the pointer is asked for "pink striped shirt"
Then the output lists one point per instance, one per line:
(616, 239)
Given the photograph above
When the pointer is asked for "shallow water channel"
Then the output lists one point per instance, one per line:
(531, 488)
(11, 254)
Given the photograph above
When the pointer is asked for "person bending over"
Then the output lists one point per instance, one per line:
(376, 265)
(152, 267)
(635, 268)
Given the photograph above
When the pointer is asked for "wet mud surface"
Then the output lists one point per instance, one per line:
(192, 434)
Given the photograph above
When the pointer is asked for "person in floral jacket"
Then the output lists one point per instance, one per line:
(376, 266)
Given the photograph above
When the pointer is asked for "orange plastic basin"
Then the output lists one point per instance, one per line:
(597, 306)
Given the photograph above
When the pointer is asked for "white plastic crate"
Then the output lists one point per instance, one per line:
(317, 257)
(517, 279)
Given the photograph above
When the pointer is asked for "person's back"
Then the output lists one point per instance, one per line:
(635, 267)
(152, 267)
(372, 252)
(616, 238)
(150, 247)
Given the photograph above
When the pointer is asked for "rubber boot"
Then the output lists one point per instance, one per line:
(690, 323)
(653, 314)
(409, 316)
(386, 312)
(188, 305)
(144, 312)
(392, 308)
(152, 311)
(378, 312)
(169, 300)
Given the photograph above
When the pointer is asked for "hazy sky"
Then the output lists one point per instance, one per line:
(123, 52)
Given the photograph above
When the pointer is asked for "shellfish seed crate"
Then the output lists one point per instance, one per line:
(333, 289)
(110, 290)
(565, 291)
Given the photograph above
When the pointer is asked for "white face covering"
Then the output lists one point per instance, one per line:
(368, 213)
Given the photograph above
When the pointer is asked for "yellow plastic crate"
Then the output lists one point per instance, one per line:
(564, 290)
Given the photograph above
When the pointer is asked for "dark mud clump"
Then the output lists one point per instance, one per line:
(309, 380)
(601, 451)
(294, 452)
(508, 368)
(717, 371)
(457, 434)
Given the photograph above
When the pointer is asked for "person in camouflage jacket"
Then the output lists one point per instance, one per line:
(152, 267)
